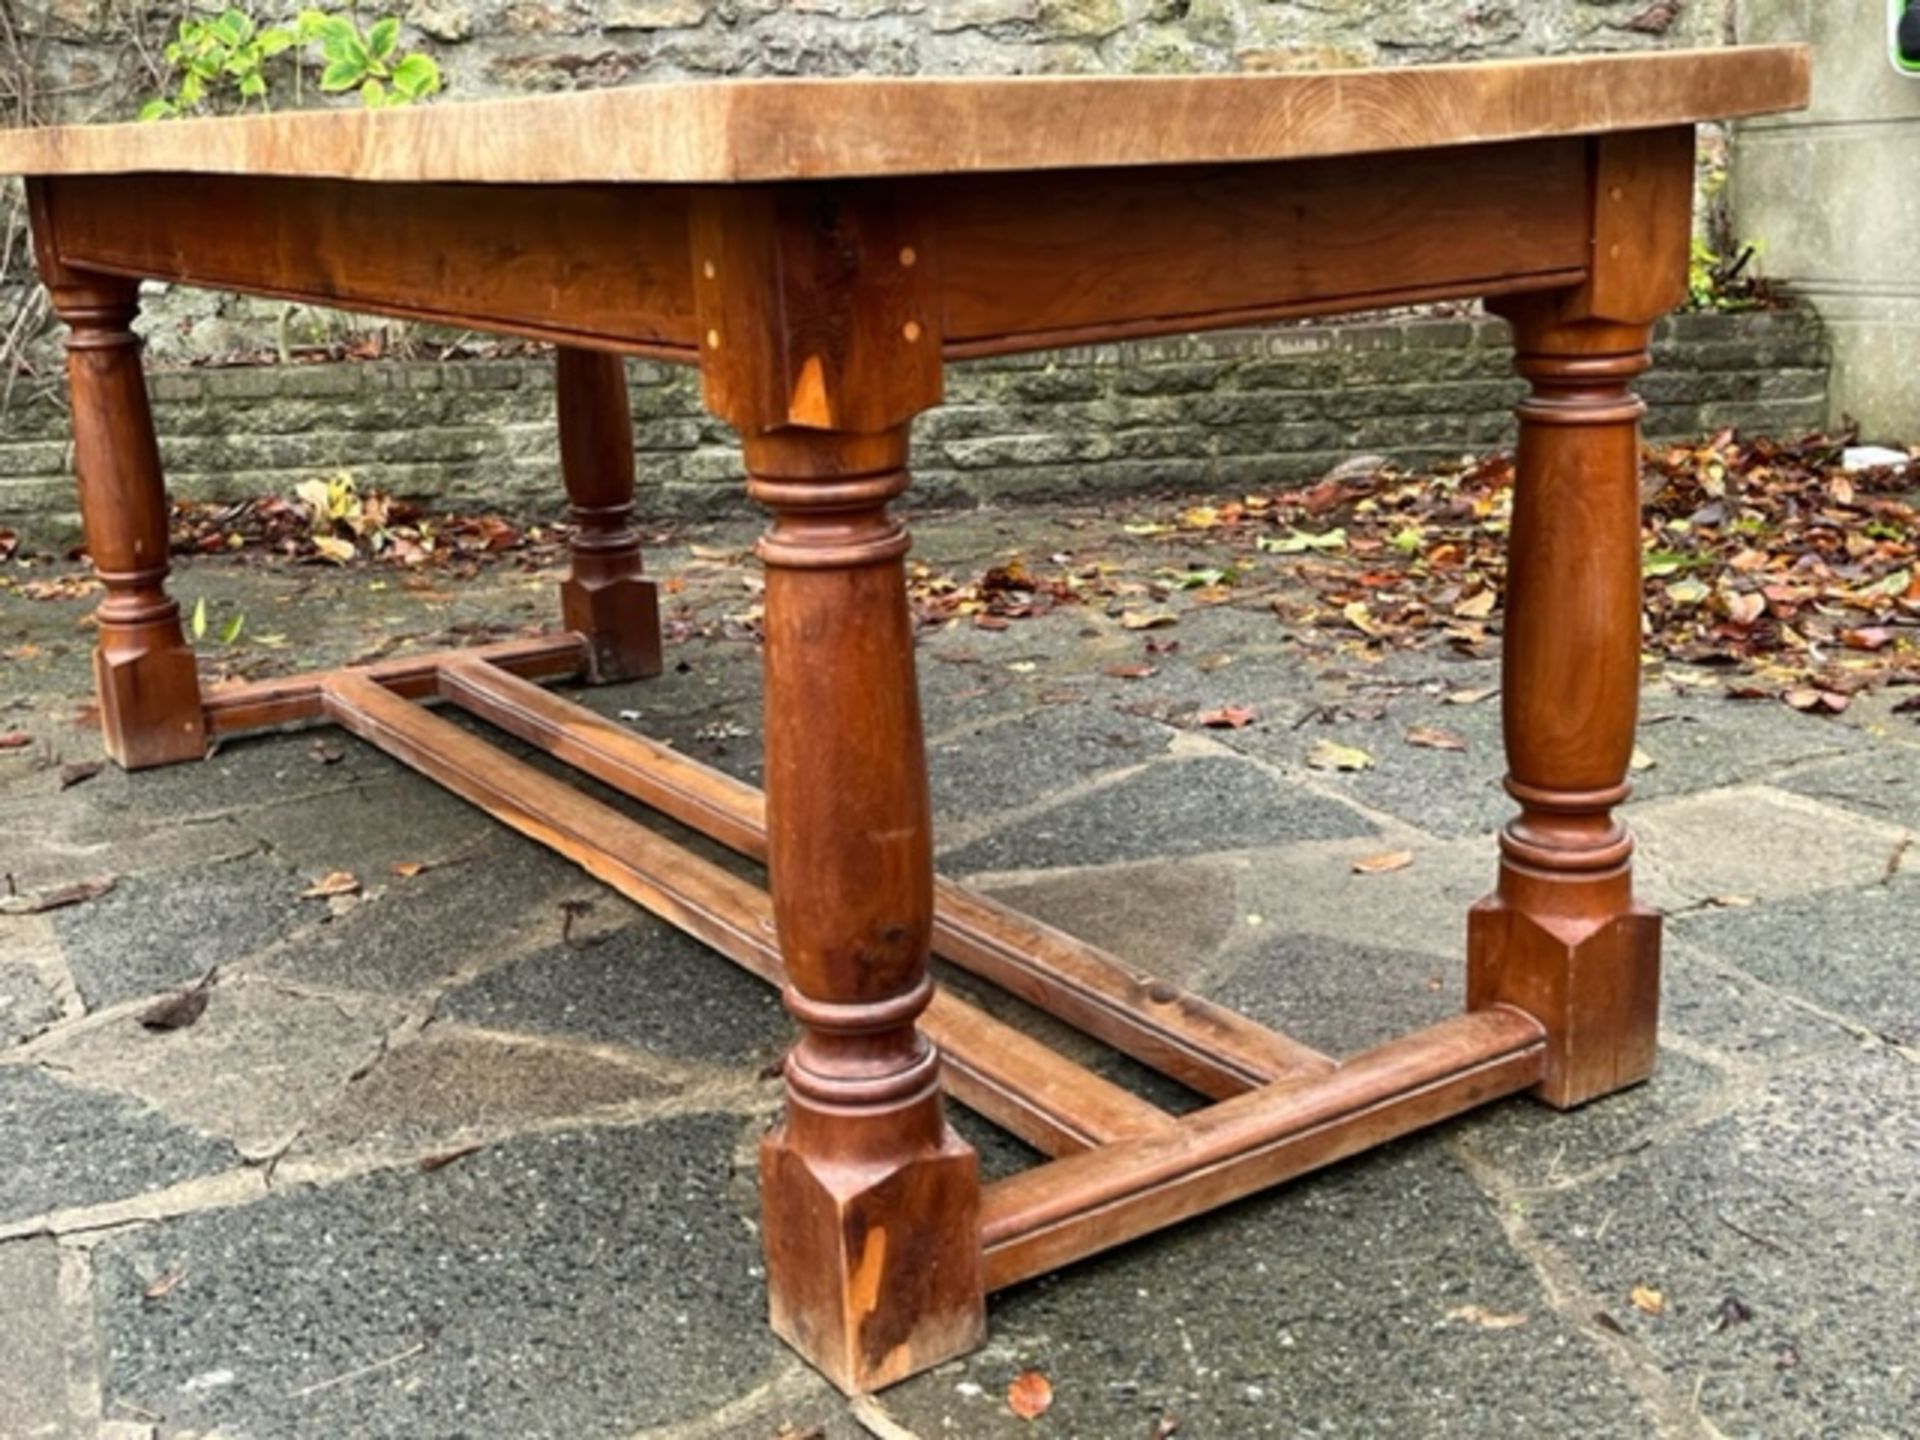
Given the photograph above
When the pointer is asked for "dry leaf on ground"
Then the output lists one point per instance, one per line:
(1030, 1395)
(1432, 737)
(1332, 755)
(1383, 864)
(337, 882)
(1227, 717)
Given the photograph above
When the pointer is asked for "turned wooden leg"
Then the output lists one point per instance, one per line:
(604, 597)
(143, 671)
(871, 1203)
(1561, 937)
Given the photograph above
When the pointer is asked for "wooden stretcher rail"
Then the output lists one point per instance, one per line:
(1202, 1045)
(1012, 1079)
(262, 704)
(1057, 1213)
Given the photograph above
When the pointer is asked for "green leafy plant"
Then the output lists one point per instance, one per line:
(225, 60)
(1721, 282)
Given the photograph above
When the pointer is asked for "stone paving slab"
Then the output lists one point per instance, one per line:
(157, 931)
(1852, 951)
(1182, 807)
(1782, 1303)
(33, 1360)
(448, 1087)
(253, 1069)
(643, 985)
(68, 1146)
(546, 1288)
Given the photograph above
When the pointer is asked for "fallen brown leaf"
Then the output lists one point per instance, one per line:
(1146, 619)
(1384, 864)
(447, 1157)
(1130, 672)
(1432, 737)
(55, 899)
(1647, 1300)
(177, 1011)
(1227, 717)
(1477, 607)
(407, 869)
(78, 772)
(1030, 1395)
(336, 882)
(164, 1286)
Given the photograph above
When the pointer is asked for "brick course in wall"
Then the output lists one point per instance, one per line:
(1227, 412)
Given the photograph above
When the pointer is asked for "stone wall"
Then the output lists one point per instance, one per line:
(1223, 413)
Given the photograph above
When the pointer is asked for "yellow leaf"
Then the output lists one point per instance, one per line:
(1648, 1300)
(338, 551)
(1332, 755)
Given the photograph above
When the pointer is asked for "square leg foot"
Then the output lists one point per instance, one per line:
(149, 706)
(1594, 985)
(621, 622)
(874, 1268)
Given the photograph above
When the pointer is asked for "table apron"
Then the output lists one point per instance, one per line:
(1021, 262)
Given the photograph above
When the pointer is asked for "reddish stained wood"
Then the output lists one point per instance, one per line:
(1562, 935)
(604, 597)
(240, 706)
(600, 266)
(1054, 1214)
(1047, 1101)
(144, 676)
(1203, 1045)
(1177, 249)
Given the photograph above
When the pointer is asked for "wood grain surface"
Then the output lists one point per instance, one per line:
(746, 130)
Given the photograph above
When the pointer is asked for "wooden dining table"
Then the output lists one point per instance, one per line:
(821, 250)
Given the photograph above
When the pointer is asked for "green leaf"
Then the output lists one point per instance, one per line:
(234, 27)
(160, 109)
(273, 41)
(191, 89)
(373, 95)
(253, 84)
(206, 67)
(230, 631)
(342, 75)
(416, 77)
(340, 41)
(384, 35)
(198, 624)
(1299, 542)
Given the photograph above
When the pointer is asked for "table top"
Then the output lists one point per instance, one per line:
(755, 130)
